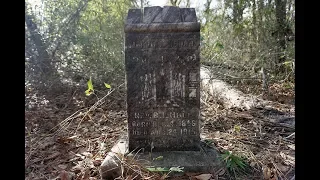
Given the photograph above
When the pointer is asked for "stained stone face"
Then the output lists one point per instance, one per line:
(163, 78)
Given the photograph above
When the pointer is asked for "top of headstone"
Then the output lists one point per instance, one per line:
(157, 14)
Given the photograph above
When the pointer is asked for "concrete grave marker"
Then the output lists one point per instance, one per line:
(163, 93)
(163, 78)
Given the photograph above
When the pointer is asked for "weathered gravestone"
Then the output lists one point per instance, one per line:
(163, 80)
(163, 92)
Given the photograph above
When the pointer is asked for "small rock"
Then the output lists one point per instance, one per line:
(291, 146)
(110, 167)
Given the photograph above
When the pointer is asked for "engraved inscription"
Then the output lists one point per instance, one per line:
(139, 132)
(170, 131)
(162, 43)
(191, 58)
(193, 76)
(161, 114)
(177, 85)
(159, 127)
(163, 90)
(192, 92)
(149, 86)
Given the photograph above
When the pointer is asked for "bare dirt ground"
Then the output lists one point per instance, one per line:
(65, 139)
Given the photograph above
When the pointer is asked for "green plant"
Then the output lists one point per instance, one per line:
(90, 89)
(208, 142)
(237, 128)
(165, 170)
(233, 162)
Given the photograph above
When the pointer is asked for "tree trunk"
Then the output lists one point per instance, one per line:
(207, 12)
(254, 21)
(237, 11)
(261, 20)
(225, 94)
(188, 4)
(44, 62)
(175, 2)
(280, 33)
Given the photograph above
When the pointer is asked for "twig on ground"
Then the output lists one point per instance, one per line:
(290, 135)
(93, 107)
(278, 171)
(65, 122)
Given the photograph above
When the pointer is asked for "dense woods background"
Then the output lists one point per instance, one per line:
(69, 41)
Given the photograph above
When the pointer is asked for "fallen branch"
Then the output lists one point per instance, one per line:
(225, 94)
(277, 124)
(93, 107)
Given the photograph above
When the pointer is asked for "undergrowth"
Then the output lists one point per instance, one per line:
(235, 164)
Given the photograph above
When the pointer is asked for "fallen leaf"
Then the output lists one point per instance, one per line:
(157, 169)
(291, 146)
(107, 85)
(266, 172)
(203, 176)
(177, 169)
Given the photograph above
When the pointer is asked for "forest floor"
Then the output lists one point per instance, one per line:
(66, 139)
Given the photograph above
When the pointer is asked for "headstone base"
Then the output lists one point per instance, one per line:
(204, 161)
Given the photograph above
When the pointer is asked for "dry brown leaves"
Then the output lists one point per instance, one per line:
(267, 144)
(70, 154)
